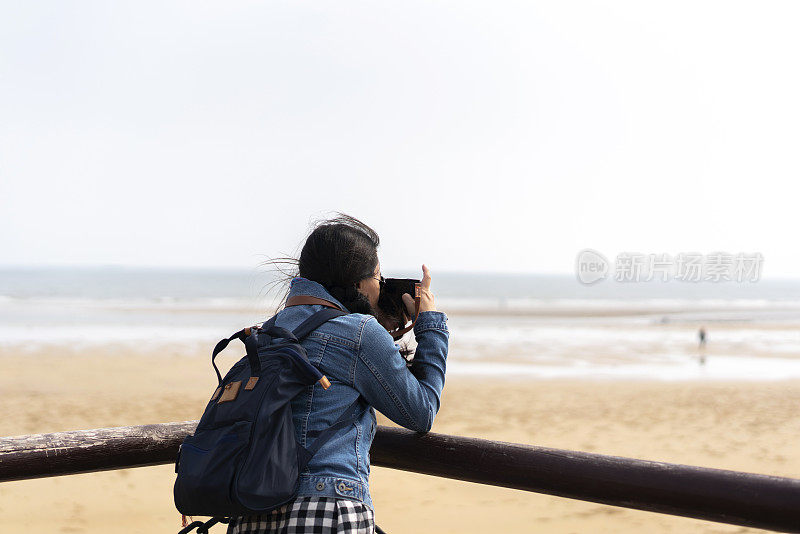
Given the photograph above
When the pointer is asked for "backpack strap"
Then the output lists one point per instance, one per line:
(252, 350)
(298, 300)
(350, 415)
(269, 328)
(306, 327)
(250, 344)
(315, 321)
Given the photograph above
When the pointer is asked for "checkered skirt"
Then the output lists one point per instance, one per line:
(309, 515)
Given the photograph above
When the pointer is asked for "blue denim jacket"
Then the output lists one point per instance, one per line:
(359, 357)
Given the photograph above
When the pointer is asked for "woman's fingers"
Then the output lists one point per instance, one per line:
(426, 277)
(426, 297)
(408, 300)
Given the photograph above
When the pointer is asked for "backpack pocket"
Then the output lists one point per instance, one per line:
(268, 477)
(207, 468)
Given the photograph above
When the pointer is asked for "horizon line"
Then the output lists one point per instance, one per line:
(230, 268)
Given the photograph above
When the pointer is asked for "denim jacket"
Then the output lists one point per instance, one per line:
(359, 357)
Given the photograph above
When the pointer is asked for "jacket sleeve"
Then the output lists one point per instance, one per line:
(409, 397)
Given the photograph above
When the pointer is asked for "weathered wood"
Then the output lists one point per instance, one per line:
(713, 494)
(83, 451)
(717, 495)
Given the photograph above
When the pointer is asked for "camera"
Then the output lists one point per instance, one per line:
(394, 315)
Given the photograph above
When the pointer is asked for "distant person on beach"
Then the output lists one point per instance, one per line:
(339, 266)
(701, 337)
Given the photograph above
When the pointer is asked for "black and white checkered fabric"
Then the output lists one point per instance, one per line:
(309, 515)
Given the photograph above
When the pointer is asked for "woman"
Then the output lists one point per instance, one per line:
(339, 264)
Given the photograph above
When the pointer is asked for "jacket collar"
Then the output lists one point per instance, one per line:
(304, 286)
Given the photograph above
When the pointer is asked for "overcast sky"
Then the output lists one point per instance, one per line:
(488, 136)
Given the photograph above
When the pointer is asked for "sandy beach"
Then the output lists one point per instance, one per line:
(750, 426)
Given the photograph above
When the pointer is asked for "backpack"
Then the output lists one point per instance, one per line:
(243, 458)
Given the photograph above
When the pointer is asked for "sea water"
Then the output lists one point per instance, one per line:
(501, 325)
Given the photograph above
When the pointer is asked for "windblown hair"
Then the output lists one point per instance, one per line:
(338, 253)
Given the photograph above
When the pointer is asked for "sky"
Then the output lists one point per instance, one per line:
(472, 136)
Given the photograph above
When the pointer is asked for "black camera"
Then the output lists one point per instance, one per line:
(393, 311)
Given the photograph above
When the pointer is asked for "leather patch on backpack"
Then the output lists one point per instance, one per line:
(216, 394)
(230, 391)
(251, 383)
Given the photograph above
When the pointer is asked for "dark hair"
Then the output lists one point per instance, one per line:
(338, 253)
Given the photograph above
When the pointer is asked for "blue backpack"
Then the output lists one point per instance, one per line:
(243, 458)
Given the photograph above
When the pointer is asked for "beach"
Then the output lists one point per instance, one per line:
(595, 194)
(740, 425)
(614, 370)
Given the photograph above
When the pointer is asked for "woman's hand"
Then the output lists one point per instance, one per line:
(426, 297)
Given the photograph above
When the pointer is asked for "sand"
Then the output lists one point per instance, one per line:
(743, 426)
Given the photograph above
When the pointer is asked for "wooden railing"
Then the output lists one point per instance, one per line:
(733, 497)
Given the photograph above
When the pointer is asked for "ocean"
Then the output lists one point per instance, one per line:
(537, 326)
